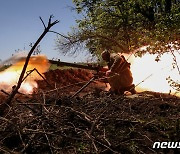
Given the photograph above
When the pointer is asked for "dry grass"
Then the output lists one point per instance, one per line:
(97, 122)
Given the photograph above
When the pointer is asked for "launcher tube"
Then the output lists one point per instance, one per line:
(60, 63)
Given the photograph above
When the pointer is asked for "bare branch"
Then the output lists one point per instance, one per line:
(51, 16)
(175, 60)
(60, 34)
(43, 22)
(15, 90)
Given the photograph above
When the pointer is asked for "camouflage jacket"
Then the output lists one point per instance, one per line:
(117, 63)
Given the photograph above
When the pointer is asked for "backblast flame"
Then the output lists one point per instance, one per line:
(152, 75)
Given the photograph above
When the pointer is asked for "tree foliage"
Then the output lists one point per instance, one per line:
(125, 25)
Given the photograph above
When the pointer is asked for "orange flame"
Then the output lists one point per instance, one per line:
(10, 76)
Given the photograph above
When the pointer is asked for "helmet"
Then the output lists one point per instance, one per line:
(105, 55)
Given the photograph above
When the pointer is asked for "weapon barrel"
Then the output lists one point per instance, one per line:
(60, 63)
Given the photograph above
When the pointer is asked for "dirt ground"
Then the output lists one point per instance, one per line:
(94, 121)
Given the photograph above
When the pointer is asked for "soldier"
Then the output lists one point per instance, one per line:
(118, 74)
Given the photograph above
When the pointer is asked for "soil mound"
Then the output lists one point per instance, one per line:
(65, 77)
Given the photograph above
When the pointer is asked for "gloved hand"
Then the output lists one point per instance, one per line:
(108, 73)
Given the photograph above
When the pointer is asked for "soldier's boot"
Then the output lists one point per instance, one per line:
(132, 89)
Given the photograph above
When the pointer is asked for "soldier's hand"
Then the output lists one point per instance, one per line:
(108, 73)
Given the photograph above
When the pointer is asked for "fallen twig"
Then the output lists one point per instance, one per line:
(20, 103)
(31, 71)
(91, 80)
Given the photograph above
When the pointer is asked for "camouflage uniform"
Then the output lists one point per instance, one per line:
(120, 78)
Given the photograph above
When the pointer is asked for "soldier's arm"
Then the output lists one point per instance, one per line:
(117, 62)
